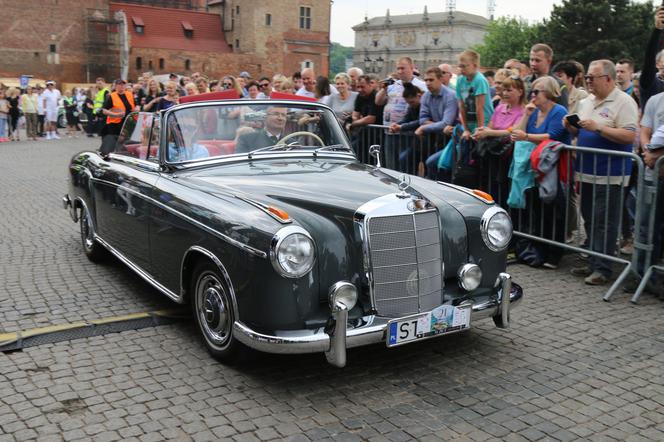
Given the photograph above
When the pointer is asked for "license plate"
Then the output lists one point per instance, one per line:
(439, 321)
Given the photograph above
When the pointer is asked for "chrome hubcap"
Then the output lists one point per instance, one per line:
(213, 310)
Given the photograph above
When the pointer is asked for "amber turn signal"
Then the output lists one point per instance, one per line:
(280, 213)
(483, 195)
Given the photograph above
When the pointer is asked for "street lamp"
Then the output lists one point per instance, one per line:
(373, 66)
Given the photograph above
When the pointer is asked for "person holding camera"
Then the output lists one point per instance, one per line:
(391, 96)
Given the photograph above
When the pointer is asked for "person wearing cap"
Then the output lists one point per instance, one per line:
(117, 106)
(51, 98)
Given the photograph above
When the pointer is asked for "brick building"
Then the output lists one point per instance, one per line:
(83, 39)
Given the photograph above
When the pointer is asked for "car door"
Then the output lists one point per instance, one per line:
(123, 187)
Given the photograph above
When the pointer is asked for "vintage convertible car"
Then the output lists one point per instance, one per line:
(259, 214)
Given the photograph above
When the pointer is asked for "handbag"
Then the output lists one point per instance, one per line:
(496, 146)
(466, 170)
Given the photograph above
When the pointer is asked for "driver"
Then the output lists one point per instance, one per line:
(275, 122)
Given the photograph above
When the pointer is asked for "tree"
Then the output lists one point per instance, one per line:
(338, 56)
(506, 37)
(594, 29)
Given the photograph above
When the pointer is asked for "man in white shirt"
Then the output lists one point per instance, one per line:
(391, 96)
(308, 88)
(51, 97)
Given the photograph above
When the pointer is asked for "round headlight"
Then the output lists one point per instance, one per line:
(344, 293)
(292, 252)
(470, 276)
(496, 227)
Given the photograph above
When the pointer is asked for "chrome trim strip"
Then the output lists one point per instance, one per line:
(210, 230)
(242, 157)
(371, 331)
(138, 270)
(221, 267)
(153, 167)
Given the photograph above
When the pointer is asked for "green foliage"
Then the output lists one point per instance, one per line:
(590, 30)
(578, 30)
(507, 37)
(338, 56)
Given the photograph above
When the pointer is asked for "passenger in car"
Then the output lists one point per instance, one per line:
(275, 123)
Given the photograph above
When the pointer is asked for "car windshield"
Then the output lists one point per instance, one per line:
(219, 130)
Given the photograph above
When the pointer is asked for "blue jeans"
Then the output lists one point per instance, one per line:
(600, 208)
(3, 128)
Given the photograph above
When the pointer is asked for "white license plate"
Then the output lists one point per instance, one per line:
(439, 321)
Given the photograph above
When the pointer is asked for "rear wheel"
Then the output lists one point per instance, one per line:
(214, 312)
(93, 250)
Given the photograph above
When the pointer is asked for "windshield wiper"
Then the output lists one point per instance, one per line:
(269, 148)
(334, 147)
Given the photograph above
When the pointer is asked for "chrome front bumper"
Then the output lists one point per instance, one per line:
(335, 342)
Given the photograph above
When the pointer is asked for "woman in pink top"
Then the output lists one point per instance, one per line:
(494, 166)
(509, 111)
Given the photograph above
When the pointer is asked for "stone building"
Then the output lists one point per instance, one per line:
(83, 39)
(429, 39)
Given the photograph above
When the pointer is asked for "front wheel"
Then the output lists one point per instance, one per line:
(214, 312)
(94, 251)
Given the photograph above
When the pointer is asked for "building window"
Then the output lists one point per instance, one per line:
(188, 29)
(237, 10)
(237, 44)
(187, 65)
(306, 64)
(268, 19)
(305, 17)
(139, 26)
(52, 49)
(162, 64)
(150, 67)
(139, 63)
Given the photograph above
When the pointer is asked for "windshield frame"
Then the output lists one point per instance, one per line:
(247, 156)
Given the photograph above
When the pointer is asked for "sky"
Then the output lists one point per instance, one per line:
(348, 13)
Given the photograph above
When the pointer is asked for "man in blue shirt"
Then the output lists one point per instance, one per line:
(438, 110)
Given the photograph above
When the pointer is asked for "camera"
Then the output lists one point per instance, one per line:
(388, 81)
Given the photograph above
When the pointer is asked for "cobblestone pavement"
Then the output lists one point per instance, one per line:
(571, 367)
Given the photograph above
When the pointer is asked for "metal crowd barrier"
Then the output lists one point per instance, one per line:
(653, 205)
(558, 225)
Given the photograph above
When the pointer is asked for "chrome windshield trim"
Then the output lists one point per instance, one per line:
(244, 156)
(139, 271)
(175, 212)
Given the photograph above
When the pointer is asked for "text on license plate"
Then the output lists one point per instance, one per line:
(441, 320)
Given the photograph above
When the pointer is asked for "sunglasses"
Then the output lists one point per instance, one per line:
(534, 92)
(264, 84)
(228, 84)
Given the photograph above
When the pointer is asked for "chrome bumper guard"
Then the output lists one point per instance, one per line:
(335, 342)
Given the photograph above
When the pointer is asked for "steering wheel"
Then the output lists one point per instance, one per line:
(300, 133)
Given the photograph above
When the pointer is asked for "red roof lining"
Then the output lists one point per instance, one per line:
(187, 26)
(138, 21)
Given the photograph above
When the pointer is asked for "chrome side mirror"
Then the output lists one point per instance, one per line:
(374, 151)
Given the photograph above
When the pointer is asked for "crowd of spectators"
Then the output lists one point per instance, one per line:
(478, 121)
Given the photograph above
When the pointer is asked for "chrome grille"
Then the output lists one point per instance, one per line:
(406, 264)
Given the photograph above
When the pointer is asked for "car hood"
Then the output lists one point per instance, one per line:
(309, 185)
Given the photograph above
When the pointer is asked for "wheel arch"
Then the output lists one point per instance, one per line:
(189, 260)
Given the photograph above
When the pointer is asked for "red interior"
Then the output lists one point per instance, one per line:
(218, 147)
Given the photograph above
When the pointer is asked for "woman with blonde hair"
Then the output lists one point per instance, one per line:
(153, 93)
(230, 82)
(29, 108)
(14, 113)
(286, 86)
(343, 103)
(190, 89)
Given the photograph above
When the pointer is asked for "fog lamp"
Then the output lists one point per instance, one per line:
(343, 292)
(470, 276)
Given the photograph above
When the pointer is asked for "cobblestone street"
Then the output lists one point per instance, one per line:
(571, 367)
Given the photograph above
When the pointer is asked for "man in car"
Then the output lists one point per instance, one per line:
(272, 132)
